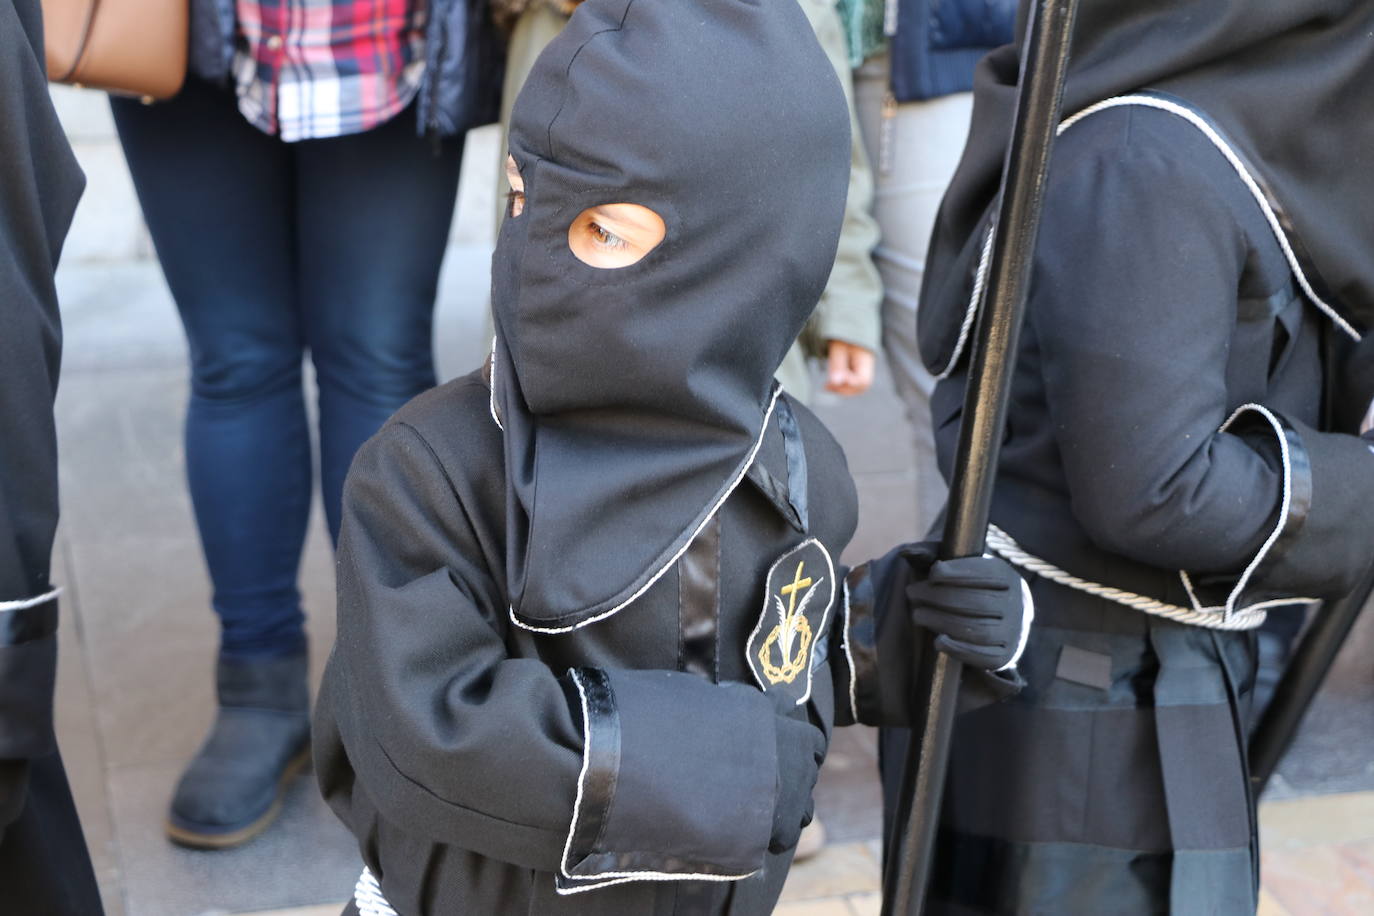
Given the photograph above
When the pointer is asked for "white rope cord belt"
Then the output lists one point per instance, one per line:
(1007, 548)
(367, 895)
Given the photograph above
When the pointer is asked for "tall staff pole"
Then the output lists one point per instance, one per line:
(1044, 60)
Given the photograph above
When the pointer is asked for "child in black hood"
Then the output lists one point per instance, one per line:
(592, 631)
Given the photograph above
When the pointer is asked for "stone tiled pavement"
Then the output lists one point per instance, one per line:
(135, 689)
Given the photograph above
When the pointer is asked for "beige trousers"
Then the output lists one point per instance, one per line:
(920, 144)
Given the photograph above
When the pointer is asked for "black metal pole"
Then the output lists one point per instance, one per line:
(1300, 682)
(1044, 60)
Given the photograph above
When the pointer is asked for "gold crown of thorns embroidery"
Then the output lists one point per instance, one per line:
(793, 632)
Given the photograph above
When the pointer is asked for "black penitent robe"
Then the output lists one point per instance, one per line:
(44, 867)
(1167, 417)
(476, 759)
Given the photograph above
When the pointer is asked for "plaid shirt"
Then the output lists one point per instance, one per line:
(323, 68)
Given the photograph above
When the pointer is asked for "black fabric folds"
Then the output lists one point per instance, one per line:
(632, 399)
(1287, 83)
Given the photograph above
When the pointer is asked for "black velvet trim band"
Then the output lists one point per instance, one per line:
(602, 765)
(775, 491)
(27, 624)
(699, 603)
(859, 635)
(796, 463)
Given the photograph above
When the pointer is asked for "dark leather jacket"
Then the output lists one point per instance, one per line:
(938, 42)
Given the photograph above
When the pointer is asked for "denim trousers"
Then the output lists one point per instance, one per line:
(273, 251)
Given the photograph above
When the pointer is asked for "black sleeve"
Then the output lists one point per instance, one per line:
(1134, 305)
(597, 775)
(879, 652)
(39, 187)
(876, 654)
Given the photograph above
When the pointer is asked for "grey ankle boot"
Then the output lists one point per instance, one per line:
(233, 788)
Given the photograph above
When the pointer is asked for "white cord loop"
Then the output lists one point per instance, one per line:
(1242, 619)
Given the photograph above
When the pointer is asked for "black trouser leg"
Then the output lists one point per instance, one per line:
(44, 867)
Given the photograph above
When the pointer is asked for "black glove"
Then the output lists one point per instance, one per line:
(979, 607)
(801, 748)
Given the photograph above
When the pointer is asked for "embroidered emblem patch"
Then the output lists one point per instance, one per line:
(796, 608)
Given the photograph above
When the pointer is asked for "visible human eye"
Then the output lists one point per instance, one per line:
(606, 238)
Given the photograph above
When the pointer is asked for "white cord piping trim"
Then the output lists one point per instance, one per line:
(367, 894)
(739, 476)
(491, 398)
(980, 278)
(975, 302)
(24, 603)
(1192, 118)
(849, 658)
(614, 877)
(825, 617)
(1244, 619)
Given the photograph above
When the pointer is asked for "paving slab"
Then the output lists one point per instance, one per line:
(848, 800)
(839, 869)
(79, 738)
(833, 907)
(306, 858)
(1334, 748)
(872, 426)
(865, 904)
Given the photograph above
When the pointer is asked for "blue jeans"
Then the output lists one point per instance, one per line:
(272, 251)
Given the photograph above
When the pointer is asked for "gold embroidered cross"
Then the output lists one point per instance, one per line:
(798, 583)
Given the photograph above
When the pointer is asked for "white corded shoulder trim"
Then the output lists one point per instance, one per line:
(24, 603)
(975, 302)
(613, 877)
(825, 617)
(1193, 118)
(367, 894)
(739, 476)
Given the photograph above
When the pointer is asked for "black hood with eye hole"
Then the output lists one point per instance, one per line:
(632, 399)
(1289, 83)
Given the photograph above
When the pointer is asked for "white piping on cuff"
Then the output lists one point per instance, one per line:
(849, 658)
(614, 877)
(1027, 618)
(734, 484)
(24, 603)
(1285, 506)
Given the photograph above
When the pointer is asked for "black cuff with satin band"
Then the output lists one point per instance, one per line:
(28, 623)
